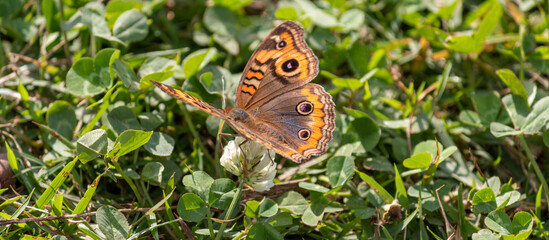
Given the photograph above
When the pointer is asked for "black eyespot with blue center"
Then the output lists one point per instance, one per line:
(304, 134)
(281, 44)
(305, 108)
(290, 65)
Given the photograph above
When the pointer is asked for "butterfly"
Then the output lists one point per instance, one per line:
(275, 103)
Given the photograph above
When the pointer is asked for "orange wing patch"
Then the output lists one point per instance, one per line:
(253, 74)
(248, 89)
(322, 124)
(289, 53)
(264, 55)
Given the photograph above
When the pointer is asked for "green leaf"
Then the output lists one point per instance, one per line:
(429, 146)
(122, 119)
(293, 202)
(160, 144)
(19, 210)
(46, 197)
(340, 169)
(286, 13)
(489, 22)
(85, 201)
(537, 118)
(268, 208)
(352, 19)
(200, 182)
(517, 108)
(318, 16)
(61, 117)
(511, 80)
(313, 187)
(403, 224)
(262, 231)
(420, 160)
(131, 26)
(350, 83)
(499, 222)
(546, 137)
(126, 74)
(128, 141)
(523, 235)
(313, 214)
(191, 207)
(145, 82)
(485, 234)
(470, 117)
(221, 193)
(447, 152)
(14, 164)
(447, 11)
(484, 200)
(464, 44)
(10, 201)
(91, 76)
(112, 223)
(252, 209)
(364, 130)
(488, 103)
(93, 16)
(196, 61)
(115, 8)
(220, 20)
(152, 172)
(229, 43)
(82, 79)
(150, 121)
(500, 130)
(10, 7)
(513, 196)
(376, 186)
(92, 145)
(57, 204)
(282, 219)
(156, 64)
(522, 221)
(420, 123)
(540, 59)
(232, 4)
(51, 13)
(211, 79)
(400, 189)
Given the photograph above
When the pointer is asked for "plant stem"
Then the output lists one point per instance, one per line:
(233, 205)
(64, 33)
(522, 55)
(128, 180)
(210, 224)
(196, 136)
(145, 193)
(537, 170)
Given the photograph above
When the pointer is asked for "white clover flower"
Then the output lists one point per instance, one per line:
(252, 161)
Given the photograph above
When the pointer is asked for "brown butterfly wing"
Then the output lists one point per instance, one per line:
(282, 62)
(297, 125)
(191, 100)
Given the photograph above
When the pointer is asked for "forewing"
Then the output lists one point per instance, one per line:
(282, 62)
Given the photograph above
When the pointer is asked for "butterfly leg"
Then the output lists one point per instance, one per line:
(242, 143)
(229, 134)
(241, 150)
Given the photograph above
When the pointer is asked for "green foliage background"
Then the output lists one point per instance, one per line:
(442, 119)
